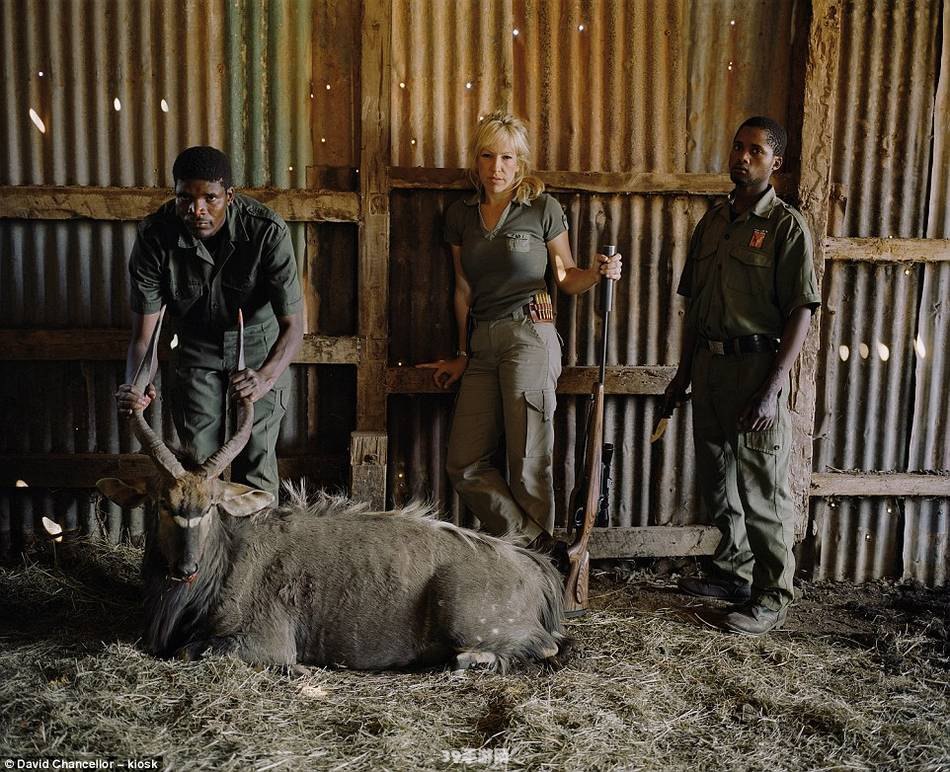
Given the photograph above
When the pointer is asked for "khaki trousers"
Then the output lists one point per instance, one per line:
(507, 391)
(200, 404)
(743, 476)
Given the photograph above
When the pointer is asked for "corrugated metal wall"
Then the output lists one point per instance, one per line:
(106, 94)
(606, 86)
(882, 396)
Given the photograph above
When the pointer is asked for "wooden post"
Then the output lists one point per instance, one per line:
(368, 468)
(373, 277)
(820, 97)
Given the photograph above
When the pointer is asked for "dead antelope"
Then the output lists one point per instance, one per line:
(325, 582)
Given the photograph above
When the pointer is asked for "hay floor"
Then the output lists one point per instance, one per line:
(859, 679)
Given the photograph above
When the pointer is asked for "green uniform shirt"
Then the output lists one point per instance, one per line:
(747, 276)
(254, 269)
(505, 266)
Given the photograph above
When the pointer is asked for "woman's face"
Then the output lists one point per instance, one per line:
(497, 166)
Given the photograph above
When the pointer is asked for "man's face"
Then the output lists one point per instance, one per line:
(752, 159)
(202, 206)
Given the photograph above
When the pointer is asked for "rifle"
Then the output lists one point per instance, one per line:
(590, 498)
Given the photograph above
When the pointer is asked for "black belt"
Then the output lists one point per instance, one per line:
(745, 344)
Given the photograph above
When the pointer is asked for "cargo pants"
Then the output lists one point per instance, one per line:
(508, 390)
(743, 476)
(200, 404)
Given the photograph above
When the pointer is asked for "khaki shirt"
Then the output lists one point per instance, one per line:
(747, 276)
(507, 265)
(255, 270)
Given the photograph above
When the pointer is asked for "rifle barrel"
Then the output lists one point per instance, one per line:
(606, 304)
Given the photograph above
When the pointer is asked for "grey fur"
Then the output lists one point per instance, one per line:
(325, 582)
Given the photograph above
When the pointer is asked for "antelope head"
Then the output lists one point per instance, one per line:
(187, 502)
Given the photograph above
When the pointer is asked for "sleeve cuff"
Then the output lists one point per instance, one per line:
(142, 306)
(287, 308)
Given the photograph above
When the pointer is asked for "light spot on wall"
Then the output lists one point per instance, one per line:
(920, 348)
(117, 104)
(328, 86)
(37, 121)
(174, 341)
(580, 27)
(883, 351)
(402, 84)
(515, 32)
(863, 350)
(164, 106)
(21, 484)
(844, 352)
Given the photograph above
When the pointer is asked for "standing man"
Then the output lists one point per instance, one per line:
(205, 255)
(751, 292)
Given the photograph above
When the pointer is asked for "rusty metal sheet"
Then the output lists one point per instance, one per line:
(451, 63)
(926, 554)
(603, 84)
(866, 366)
(855, 540)
(741, 59)
(115, 96)
(938, 217)
(885, 115)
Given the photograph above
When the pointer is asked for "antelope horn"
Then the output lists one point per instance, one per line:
(151, 442)
(217, 462)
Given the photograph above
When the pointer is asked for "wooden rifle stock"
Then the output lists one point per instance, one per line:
(575, 589)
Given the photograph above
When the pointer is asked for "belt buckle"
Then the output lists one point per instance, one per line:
(717, 347)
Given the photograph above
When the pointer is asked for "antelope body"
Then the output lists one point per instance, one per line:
(325, 582)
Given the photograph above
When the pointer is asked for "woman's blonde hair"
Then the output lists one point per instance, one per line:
(508, 128)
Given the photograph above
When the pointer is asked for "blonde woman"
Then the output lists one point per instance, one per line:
(503, 237)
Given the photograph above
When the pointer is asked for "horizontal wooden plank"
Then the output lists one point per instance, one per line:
(896, 484)
(654, 541)
(41, 202)
(405, 177)
(111, 345)
(573, 380)
(81, 470)
(887, 250)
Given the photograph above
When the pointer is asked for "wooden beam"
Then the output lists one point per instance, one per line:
(895, 484)
(81, 470)
(44, 202)
(111, 345)
(368, 468)
(814, 193)
(405, 177)
(573, 380)
(654, 541)
(887, 250)
(373, 272)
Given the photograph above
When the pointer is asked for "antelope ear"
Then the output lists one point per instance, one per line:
(242, 500)
(121, 493)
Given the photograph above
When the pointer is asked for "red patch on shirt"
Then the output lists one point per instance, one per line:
(758, 239)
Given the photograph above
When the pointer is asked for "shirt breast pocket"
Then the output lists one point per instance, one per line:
(237, 290)
(750, 271)
(519, 242)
